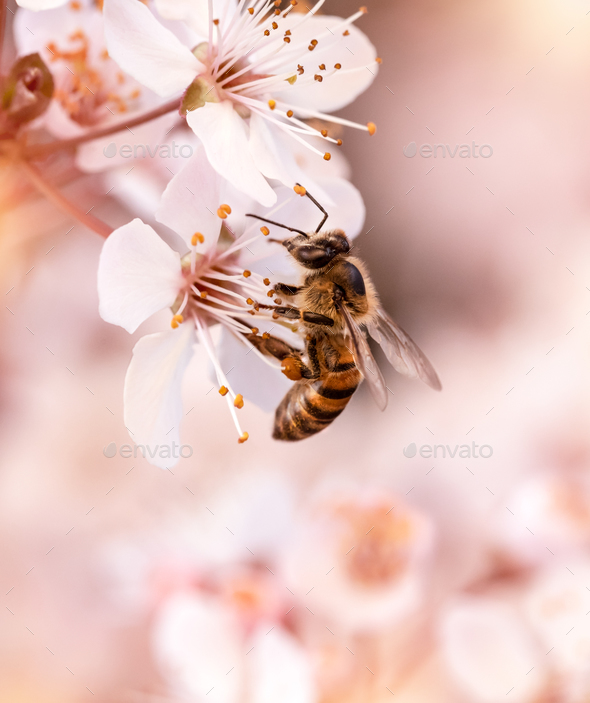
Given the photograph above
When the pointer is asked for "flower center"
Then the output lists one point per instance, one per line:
(88, 88)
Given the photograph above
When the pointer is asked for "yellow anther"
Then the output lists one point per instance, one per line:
(197, 238)
(300, 69)
(221, 213)
(322, 67)
(203, 294)
(265, 335)
(290, 113)
(272, 104)
(267, 32)
(339, 142)
(177, 320)
(239, 401)
(223, 391)
(226, 208)
(300, 190)
(255, 330)
(215, 22)
(324, 132)
(266, 281)
(287, 40)
(346, 33)
(288, 33)
(247, 274)
(293, 2)
(363, 9)
(314, 42)
(337, 66)
(372, 128)
(379, 60)
(275, 25)
(251, 10)
(265, 231)
(249, 301)
(243, 438)
(327, 156)
(271, 293)
(173, 324)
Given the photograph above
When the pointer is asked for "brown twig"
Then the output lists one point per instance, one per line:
(38, 151)
(56, 197)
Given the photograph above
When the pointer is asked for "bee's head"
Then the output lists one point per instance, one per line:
(317, 249)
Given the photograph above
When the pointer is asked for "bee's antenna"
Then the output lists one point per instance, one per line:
(277, 224)
(315, 202)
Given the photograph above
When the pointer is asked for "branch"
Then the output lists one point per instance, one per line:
(37, 151)
(56, 197)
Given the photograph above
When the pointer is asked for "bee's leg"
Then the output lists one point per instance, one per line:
(295, 314)
(287, 290)
(291, 363)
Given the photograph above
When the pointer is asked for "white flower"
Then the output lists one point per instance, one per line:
(254, 73)
(91, 92)
(139, 274)
(201, 641)
(363, 554)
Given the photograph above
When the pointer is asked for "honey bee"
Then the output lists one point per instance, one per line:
(334, 303)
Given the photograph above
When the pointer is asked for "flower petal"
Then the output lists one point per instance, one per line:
(138, 274)
(152, 396)
(146, 50)
(191, 200)
(281, 669)
(223, 133)
(354, 52)
(488, 648)
(197, 642)
(260, 383)
(37, 5)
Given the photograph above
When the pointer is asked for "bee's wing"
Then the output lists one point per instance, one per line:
(365, 361)
(401, 352)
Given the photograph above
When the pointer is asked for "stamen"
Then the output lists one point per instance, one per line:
(327, 156)
(300, 190)
(247, 274)
(223, 391)
(239, 401)
(243, 438)
(372, 128)
(197, 238)
(265, 231)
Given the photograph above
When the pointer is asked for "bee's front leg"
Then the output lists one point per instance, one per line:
(287, 290)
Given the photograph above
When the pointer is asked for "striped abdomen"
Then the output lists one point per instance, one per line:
(309, 407)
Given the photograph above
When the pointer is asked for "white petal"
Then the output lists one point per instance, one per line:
(271, 158)
(352, 52)
(152, 397)
(281, 669)
(223, 133)
(138, 274)
(257, 381)
(146, 50)
(490, 651)
(195, 13)
(197, 642)
(191, 200)
(37, 5)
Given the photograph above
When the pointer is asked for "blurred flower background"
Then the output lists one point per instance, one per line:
(338, 568)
